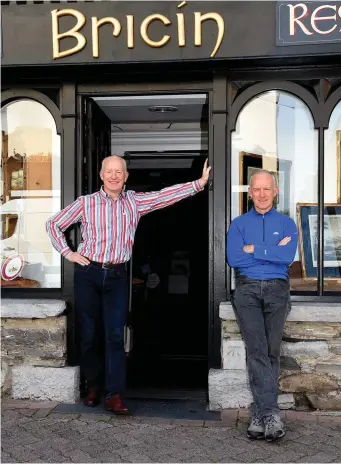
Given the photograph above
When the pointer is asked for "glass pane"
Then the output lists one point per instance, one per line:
(275, 132)
(332, 199)
(30, 193)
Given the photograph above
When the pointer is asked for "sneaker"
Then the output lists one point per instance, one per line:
(274, 427)
(256, 428)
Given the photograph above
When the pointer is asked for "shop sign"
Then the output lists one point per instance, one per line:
(308, 22)
(131, 29)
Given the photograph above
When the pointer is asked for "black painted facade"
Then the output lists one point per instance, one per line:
(248, 62)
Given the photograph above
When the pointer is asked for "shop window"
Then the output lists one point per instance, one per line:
(332, 199)
(276, 132)
(30, 193)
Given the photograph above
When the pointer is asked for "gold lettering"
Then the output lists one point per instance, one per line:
(130, 31)
(74, 32)
(199, 19)
(144, 30)
(181, 26)
(96, 24)
(315, 18)
(293, 20)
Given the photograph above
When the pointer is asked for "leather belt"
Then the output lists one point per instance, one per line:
(108, 265)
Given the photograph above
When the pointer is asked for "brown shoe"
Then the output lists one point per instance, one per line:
(93, 397)
(115, 404)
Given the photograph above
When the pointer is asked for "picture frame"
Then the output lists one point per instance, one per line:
(250, 163)
(307, 214)
(338, 164)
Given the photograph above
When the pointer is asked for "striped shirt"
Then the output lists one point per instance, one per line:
(108, 226)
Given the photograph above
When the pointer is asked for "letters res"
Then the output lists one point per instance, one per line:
(96, 23)
(300, 16)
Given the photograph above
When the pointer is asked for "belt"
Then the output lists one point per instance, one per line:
(108, 265)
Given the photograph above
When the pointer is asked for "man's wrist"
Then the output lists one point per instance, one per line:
(198, 185)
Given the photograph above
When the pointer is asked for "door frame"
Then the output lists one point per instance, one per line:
(218, 201)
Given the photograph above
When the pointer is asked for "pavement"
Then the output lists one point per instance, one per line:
(34, 432)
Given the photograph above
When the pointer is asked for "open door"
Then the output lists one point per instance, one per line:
(96, 144)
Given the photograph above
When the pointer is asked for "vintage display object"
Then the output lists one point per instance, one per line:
(307, 214)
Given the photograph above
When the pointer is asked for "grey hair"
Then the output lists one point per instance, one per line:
(264, 171)
(124, 163)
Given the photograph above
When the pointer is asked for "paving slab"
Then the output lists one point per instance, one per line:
(62, 437)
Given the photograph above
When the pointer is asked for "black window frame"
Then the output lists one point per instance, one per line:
(321, 109)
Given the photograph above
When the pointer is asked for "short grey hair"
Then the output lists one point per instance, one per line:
(124, 163)
(264, 171)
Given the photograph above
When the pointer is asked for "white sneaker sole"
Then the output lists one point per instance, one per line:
(255, 435)
(275, 437)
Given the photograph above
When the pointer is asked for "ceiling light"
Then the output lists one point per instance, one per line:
(162, 109)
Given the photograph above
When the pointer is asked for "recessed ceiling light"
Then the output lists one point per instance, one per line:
(162, 109)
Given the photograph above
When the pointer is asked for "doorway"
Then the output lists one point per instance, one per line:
(164, 140)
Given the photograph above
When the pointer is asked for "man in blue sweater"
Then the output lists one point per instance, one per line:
(261, 245)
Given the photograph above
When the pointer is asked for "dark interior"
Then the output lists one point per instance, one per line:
(169, 316)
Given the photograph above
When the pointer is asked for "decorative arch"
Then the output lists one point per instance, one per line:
(17, 94)
(331, 103)
(262, 87)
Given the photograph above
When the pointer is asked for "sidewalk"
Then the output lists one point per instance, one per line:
(33, 432)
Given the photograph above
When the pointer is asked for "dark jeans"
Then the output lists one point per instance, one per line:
(101, 310)
(261, 308)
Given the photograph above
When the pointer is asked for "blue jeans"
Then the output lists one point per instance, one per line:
(101, 297)
(261, 308)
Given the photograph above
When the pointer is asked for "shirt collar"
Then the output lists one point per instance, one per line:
(104, 195)
(271, 211)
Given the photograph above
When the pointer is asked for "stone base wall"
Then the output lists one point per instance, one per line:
(310, 361)
(33, 352)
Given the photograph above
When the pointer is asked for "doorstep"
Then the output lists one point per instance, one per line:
(226, 418)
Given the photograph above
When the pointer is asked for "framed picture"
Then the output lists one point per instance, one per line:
(307, 222)
(250, 163)
(338, 161)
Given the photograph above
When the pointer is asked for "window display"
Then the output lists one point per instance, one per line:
(276, 133)
(30, 193)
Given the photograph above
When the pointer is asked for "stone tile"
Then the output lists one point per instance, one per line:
(28, 309)
(95, 417)
(27, 412)
(23, 404)
(229, 418)
(168, 458)
(46, 383)
(110, 457)
(40, 413)
(80, 456)
(318, 457)
(58, 438)
(233, 354)
(329, 420)
(6, 457)
(300, 416)
(228, 389)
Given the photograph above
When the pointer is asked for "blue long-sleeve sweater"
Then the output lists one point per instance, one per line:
(269, 261)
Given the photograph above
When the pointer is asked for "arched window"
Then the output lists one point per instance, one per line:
(30, 193)
(275, 131)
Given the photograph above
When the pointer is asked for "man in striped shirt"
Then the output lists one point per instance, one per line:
(108, 220)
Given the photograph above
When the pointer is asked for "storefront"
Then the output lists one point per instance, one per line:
(250, 85)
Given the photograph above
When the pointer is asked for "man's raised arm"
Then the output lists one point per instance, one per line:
(151, 201)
